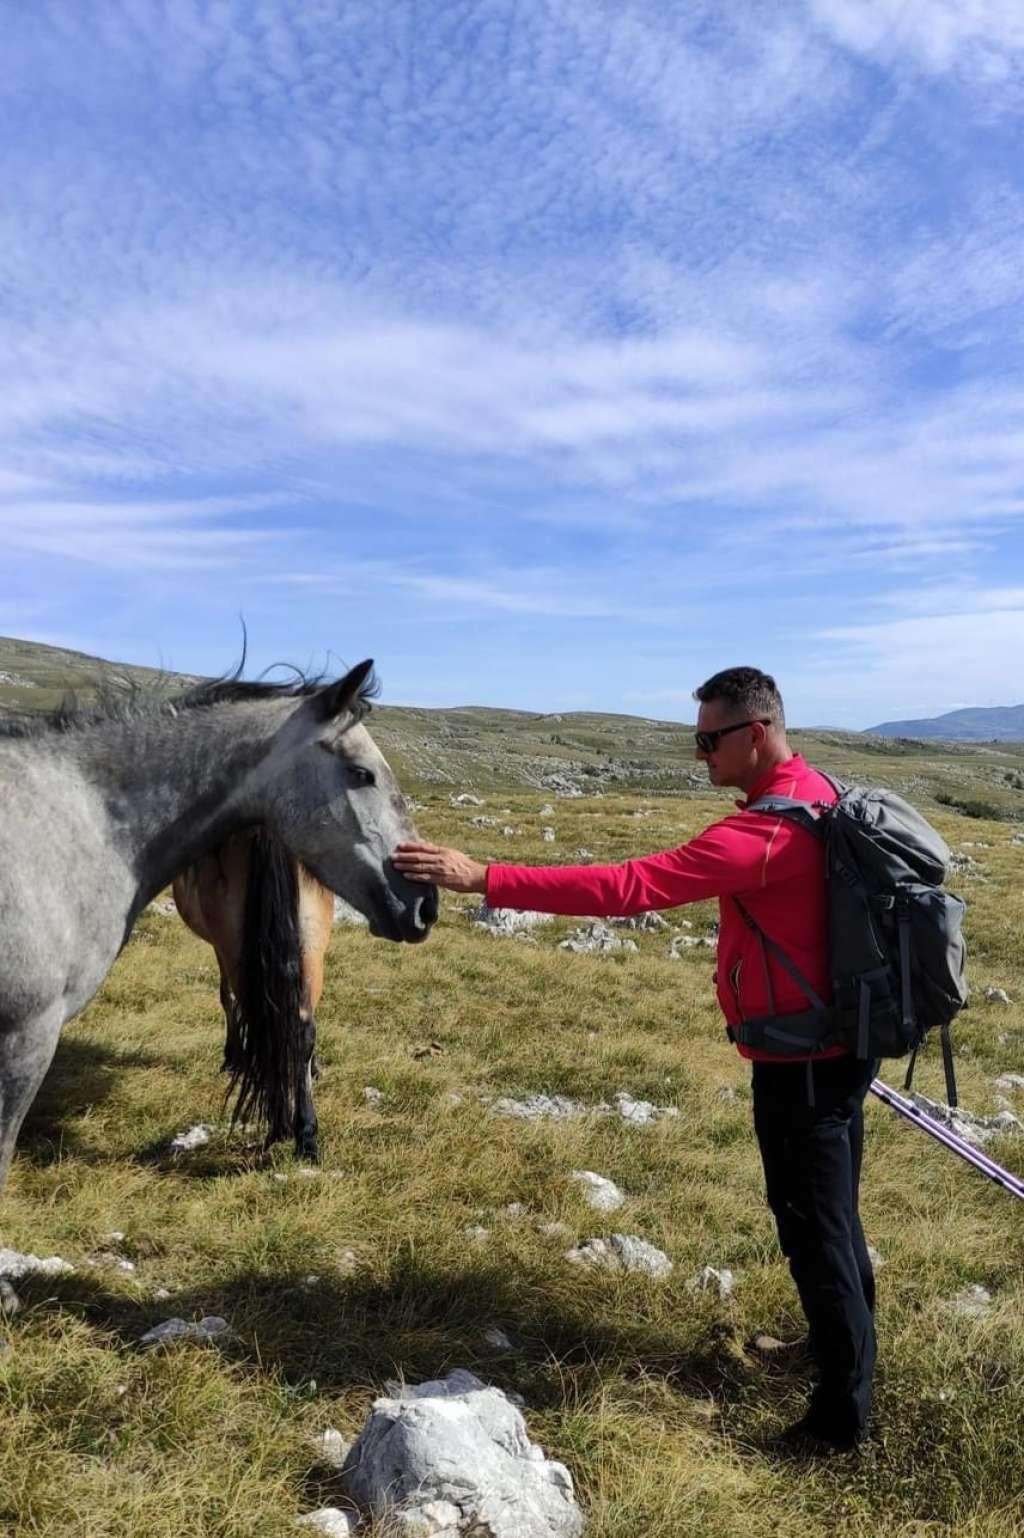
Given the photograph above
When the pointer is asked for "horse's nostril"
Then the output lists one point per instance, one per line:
(426, 908)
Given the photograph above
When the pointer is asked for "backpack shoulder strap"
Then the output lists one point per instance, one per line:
(803, 813)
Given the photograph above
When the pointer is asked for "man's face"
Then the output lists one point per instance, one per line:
(732, 759)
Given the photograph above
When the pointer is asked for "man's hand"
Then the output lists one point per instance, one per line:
(444, 867)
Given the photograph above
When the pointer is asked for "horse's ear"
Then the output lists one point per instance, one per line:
(348, 695)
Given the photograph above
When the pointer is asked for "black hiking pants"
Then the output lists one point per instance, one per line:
(812, 1159)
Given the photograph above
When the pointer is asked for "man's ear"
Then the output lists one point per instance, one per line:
(350, 695)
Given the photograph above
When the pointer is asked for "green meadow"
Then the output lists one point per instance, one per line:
(333, 1282)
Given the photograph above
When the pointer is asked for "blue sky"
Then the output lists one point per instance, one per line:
(555, 353)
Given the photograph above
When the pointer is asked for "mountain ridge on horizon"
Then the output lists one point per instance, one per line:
(971, 723)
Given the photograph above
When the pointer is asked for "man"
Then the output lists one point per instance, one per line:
(808, 1111)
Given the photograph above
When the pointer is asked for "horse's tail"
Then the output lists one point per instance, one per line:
(270, 1059)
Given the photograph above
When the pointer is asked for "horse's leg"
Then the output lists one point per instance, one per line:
(316, 916)
(306, 1128)
(26, 1052)
(232, 1033)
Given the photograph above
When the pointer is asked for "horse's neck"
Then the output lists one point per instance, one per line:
(175, 786)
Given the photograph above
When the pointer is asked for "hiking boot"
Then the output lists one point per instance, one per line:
(780, 1353)
(810, 1437)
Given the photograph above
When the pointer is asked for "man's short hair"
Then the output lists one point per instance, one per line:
(744, 692)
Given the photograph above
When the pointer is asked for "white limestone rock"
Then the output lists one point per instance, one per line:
(505, 922)
(194, 1137)
(601, 1194)
(15, 1264)
(596, 939)
(332, 1448)
(997, 996)
(1010, 1081)
(977, 1130)
(207, 1328)
(548, 835)
(621, 1252)
(466, 799)
(347, 916)
(646, 923)
(638, 1113)
(329, 1520)
(642, 1113)
(972, 1301)
(720, 1282)
(452, 1457)
(372, 1096)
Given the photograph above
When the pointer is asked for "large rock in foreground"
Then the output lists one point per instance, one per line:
(452, 1457)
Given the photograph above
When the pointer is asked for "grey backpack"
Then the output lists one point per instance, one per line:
(896, 942)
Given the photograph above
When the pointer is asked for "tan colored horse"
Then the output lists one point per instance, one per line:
(269, 922)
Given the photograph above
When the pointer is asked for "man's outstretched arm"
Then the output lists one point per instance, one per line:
(449, 868)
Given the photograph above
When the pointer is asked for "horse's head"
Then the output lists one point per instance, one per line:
(338, 807)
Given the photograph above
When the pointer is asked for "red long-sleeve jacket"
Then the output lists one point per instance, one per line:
(775, 867)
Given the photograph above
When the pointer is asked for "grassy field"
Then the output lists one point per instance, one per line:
(643, 1387)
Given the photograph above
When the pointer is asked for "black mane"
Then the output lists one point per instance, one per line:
(127, 702)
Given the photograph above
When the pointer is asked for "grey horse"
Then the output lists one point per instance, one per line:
(100, 809)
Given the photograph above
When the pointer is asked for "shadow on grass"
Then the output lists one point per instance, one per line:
(83, 1073)
(332, 1334)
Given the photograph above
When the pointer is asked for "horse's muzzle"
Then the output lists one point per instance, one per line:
(409, 916)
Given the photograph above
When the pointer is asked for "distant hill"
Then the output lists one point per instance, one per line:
(491, 751)
(998, 723)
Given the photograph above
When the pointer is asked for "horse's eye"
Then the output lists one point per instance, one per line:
(361, 776)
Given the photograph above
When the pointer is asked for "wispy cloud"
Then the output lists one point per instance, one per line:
(622, 331)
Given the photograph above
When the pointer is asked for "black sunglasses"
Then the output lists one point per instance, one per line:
(708, 741)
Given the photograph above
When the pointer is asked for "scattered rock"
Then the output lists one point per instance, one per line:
(977, 1130)
(877, 1260)
(453, 1457)
(466, 799)
(347, 916)
(498, 1338)
(964, 865)
(10, 1303)
(161, 1294)
(597, 938)
(622, 1252)
(639, 1113)
(562, 786)
(483, 822)
(710, 1279)
(505, 922)
(476, 1233)
(768, 1345)
(104, 1258)
(554, 1229)
(997, 996)
(646, 923)
(515, 1210)
(14, 1263)
(547, 810)
(680, 943)
(601, 1194)
(373, 1097)
(329, 1520)
(642, 1113)
(196, 1137)
(972, 1301)
(1010, 1081)
(332, 1448)
(182, 1329)
(548, 835)
(166, 908)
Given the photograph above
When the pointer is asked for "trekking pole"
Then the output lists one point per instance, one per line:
(949, 1139)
